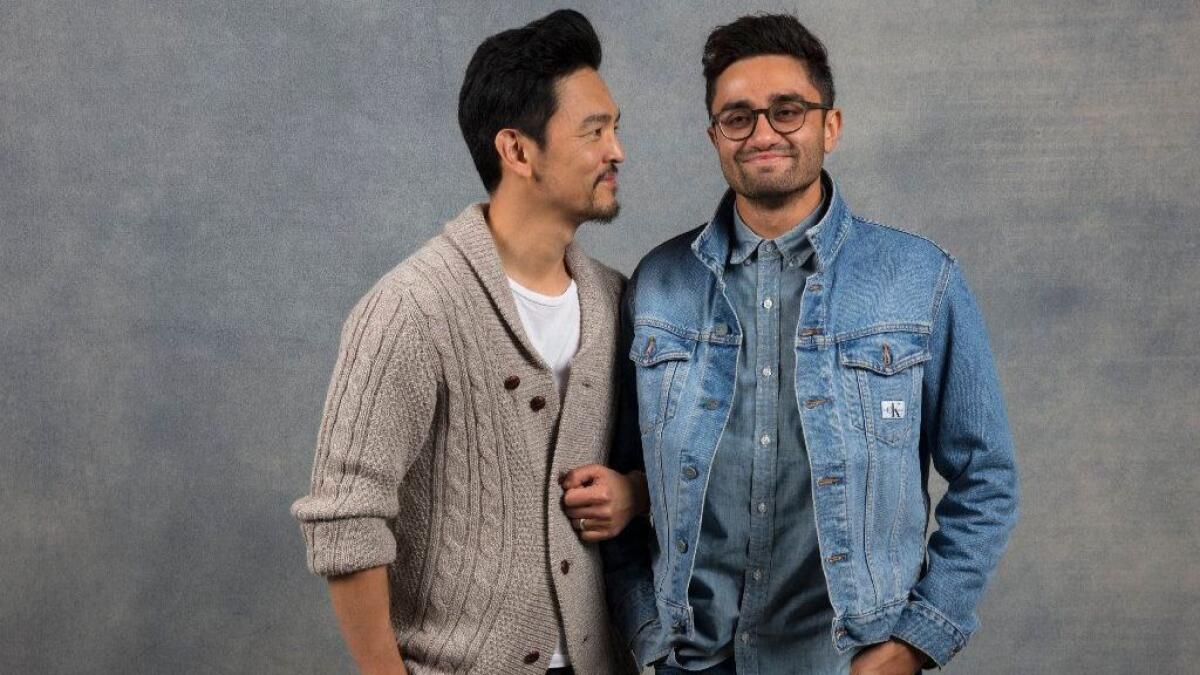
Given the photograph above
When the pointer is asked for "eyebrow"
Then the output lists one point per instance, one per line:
(600, 118)
(743, 103)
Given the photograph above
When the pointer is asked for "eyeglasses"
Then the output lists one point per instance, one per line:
(785, 117)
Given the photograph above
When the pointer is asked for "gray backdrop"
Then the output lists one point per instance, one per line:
(193, 194)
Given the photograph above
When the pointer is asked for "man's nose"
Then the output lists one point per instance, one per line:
(764, 134)
(616, 153)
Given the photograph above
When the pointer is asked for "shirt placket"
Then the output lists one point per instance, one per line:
(766, 433)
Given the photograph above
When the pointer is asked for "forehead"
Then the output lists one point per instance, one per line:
(760, 78)
(581, 94)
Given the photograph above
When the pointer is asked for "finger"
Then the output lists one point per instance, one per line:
(591, 536)
(582, 496)
(592, 513)
(582, 476)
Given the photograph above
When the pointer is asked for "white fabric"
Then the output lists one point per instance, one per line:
(552, 324)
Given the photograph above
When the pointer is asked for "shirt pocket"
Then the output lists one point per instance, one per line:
(886, 373)
(662, 359)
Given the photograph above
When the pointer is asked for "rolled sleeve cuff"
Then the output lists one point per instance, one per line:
(636, 616)
(348, 545)
(925, 628)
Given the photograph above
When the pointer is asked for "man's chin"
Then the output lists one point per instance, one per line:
(602, 214)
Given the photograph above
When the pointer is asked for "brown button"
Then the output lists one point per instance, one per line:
(537, 403)
(565, 566)
(512, 382)
(532, 657)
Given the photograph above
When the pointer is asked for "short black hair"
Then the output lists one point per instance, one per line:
(764, 34)
(510, 83)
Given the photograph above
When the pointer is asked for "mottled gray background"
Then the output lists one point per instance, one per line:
(192, 195)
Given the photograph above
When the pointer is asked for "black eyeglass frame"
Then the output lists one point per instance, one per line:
(715, 121)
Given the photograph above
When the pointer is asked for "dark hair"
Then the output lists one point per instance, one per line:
(763, 34)
(510, 83)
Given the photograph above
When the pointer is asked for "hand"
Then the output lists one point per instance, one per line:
(600, 502)
(888, 658)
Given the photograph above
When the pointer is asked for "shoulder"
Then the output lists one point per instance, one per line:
(889, 240)
(670, 254)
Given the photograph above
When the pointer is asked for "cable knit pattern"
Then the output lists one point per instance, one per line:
(426, 462)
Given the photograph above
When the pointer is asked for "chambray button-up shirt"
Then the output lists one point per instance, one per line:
(757, 590)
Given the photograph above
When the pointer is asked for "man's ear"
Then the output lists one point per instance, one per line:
(517, 152)
(712, 134)
(833, 129)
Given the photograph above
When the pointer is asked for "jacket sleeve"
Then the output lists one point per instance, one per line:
(378, 414)
(629, 578)
(964, 432)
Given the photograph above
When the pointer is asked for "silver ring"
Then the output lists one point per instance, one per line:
(582, 524)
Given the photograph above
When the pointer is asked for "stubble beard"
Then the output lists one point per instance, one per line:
(775, 190)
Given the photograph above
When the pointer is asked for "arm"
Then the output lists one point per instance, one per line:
(378, 416)
(629, 577)
(964, 432)
(361, 603)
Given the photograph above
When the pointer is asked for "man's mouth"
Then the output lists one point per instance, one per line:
(763, 157)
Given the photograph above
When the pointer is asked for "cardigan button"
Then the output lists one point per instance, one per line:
(537, 403)
(532, 657)
(565, 566)
(512, 382)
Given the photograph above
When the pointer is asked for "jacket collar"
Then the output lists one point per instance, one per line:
(470, 234)
(712, 246)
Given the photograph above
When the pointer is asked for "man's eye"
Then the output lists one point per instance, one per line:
(788, 114)
(737, 120)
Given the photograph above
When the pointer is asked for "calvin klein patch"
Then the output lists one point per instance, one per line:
(892, 410)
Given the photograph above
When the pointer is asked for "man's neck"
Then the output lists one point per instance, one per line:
(773, 219)
(531, 242)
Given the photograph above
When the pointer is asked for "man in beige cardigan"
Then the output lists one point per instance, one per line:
(474, 385)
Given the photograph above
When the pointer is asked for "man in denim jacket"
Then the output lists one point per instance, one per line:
(793, 372)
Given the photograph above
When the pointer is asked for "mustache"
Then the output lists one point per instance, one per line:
(612, 171)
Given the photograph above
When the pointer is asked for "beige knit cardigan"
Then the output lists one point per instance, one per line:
(438, 455)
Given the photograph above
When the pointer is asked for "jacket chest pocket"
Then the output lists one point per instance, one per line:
(662, 361)
(886, 373)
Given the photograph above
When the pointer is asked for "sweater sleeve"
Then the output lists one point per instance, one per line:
(378, 413)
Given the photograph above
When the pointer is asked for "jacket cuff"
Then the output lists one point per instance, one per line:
(348, 545)
(636, 617)
(925, 628)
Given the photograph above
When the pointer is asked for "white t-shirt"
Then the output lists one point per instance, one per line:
(552, 324)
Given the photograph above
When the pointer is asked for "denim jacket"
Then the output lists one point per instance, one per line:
(893, 374)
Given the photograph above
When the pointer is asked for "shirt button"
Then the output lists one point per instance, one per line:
(765, 440)
(537, 403)
(512, 382)
(766, 371)
(747, 262)
(767, 304)
(532, 657)
(565, 566)
(681, 546)
(758, 575)
(762, 507)
(720, 330)
(690, 472)
(711, 404)
(745, 638)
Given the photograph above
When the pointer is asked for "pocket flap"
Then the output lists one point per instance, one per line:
(885, 353)
(653, 345)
